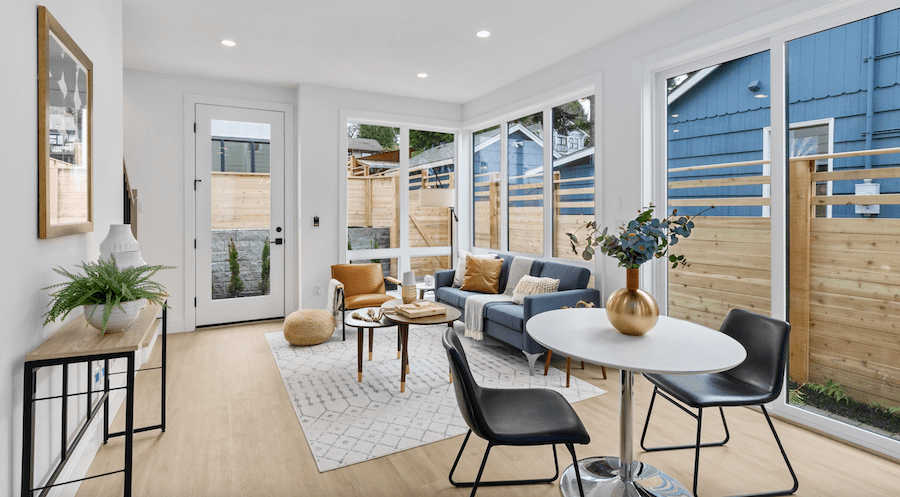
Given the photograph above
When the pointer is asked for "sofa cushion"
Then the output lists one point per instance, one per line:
(453, 296)
(570, 277)
(509, 315)
(504, 271)
(482, 275)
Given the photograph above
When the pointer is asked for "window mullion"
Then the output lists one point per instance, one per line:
(504, 186)
(548, 182)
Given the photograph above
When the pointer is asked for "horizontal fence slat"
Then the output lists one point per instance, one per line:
(885, 199)
(717, 182)
(856, 174)
(706, 202)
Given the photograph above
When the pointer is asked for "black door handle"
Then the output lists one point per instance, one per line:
(279, 241)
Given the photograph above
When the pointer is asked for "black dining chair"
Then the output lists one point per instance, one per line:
(755, 382)
(522, 417)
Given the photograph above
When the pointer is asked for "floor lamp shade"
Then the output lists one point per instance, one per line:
(436, 197)
(440, 197)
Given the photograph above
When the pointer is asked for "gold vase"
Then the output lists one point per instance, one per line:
(631, 310)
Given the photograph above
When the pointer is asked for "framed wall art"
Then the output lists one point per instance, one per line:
(65, 134)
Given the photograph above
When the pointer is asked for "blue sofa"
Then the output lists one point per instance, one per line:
(505, 321)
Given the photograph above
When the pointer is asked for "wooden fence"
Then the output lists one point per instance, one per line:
(844, 276)
(68, 192)
(526, 225)
(240, 200)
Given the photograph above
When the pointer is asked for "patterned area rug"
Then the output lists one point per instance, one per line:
(347, 422)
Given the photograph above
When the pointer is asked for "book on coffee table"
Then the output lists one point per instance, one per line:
(420, 309)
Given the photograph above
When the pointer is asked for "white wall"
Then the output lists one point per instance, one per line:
(323, 168)
(154, 155)
(96, 27)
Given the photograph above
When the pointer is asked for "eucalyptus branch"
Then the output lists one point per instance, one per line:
(641, 240)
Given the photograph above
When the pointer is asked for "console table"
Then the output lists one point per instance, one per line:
(78, 342)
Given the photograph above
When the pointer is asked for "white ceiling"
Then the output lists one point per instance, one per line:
(375, 45)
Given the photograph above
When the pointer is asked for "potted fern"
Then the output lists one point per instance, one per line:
(112, 297)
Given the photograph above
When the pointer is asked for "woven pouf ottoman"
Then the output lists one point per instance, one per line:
(308, 326)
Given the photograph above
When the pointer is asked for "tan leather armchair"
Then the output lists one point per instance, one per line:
(363, 286)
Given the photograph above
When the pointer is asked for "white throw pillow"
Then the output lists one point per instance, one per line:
(461, 266)
(530, 285)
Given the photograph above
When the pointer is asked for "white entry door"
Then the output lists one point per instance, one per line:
(239, 182)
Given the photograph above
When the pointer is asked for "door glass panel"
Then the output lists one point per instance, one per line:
(241, 192)
(716, 156)
(573, 173)
(843, 287)
(486, 188)
(525, 179)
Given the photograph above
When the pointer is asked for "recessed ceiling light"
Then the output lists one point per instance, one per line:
(483, 34)
(228, 43)
(675, 131)
(422, 75)
(760, 95)
(674, 115)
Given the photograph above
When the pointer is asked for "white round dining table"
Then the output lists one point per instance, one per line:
(673, 346)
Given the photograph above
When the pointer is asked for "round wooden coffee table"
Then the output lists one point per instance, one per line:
(403, 327)
(361, 325)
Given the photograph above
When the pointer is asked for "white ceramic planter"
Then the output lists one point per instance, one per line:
(118, 320)
(119, 239)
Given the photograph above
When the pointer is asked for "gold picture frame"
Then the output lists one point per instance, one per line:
(65, 132)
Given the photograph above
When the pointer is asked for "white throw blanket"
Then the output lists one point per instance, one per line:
(475, 312)
(334, 299)
(520, 266)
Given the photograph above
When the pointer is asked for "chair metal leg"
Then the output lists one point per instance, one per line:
(697, 445)
(478, 483)
(343, 324)
(571, 448)
(678, 405)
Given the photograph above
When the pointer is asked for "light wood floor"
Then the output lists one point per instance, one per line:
(233, 432)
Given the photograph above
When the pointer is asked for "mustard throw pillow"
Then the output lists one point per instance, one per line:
(530, 285)
(482, 275)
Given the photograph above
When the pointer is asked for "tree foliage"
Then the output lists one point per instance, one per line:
(387, 137)
(265, 269)
(236, 285)
(567, 118)
(423, 140)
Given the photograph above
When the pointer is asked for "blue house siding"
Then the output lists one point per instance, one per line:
(527, 157)
(720, 120)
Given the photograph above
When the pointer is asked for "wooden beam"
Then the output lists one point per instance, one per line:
(800, 215)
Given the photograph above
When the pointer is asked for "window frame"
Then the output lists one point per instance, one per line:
(545, 102)
(774, 37)
(405, 124)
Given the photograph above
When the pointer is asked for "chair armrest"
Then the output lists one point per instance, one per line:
(393, 280)
(443, 278)
(536, 304)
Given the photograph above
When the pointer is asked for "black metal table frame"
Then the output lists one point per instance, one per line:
(31, 368)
